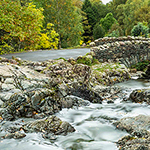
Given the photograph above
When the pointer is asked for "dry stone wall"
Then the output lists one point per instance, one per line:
(127, 50)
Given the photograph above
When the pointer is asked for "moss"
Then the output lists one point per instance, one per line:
(95, 61)
(85, 60)
(61, 58)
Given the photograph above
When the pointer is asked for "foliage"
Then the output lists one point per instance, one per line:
(114, 33)
(94, 10)
(77, 3)
(66, 19)
(140, 30)
(21, 25)
(48, 38)
(100, 9)
(90, 12)
(141, 66)
(115, 30)
(98, 31)
(114, 5)
(108, 21)
(87, 35)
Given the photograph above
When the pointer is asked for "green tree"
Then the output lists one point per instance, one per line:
(140, 30)
(100, 9)
(90, 12)
(20, 25)
(66, 18)
(115, 30)
(98, 31)
(87, 35)
(129, 19)
(114, 4)
(108, 21)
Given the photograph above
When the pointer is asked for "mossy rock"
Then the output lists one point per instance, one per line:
(87, 60)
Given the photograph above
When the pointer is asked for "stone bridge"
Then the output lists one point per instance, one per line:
(127, 50)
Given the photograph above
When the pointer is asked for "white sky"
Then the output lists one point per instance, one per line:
(105, 1)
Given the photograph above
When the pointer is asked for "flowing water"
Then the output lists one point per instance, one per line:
(93, 124)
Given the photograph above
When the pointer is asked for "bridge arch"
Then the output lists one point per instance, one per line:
(127, 50)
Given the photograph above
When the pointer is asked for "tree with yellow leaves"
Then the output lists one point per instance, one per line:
(66, 18)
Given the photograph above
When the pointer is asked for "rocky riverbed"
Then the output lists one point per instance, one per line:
(34, 93)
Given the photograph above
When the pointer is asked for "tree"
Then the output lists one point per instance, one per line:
(99, 9)
(21, 25)
(115, 30)
(77, 3)
(140, 30)
(89, 10)
(48, 38)
(114, 4)
(108, 21)
(98, 31)
(66, 18)
(87, 35)
(143, 13)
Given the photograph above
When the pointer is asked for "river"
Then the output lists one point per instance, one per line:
(93, 124)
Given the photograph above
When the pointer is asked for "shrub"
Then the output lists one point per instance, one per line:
(140, 30)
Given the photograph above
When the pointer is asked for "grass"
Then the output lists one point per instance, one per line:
(103, 68)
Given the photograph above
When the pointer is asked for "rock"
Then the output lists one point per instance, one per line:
(109, 73)
(83, 45)
(71, 101)
(15, 135)
(1, 103)
(128, 51)
(140, 95)
(146, 75)
(133, 70)
(138, 128)
(49, 125)
(72, 61)
(86, 94)
(92, 44)
(87, 59)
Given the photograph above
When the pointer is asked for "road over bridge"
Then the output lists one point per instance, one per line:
(42, 55)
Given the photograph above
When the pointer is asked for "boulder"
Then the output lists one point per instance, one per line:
(140, 95)
(146, 75)
(49, 125)
(138, 129)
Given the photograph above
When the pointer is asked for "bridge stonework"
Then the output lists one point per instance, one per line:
(127, 50)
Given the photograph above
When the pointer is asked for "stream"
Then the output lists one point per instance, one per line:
(93, 124)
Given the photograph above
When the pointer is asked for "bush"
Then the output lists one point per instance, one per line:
(114, 33)
(140, 30)
(98, 31)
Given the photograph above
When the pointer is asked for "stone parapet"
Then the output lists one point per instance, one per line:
(127, 50)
